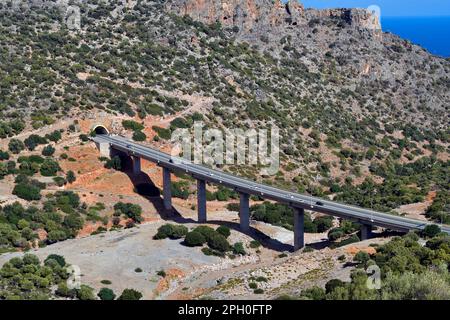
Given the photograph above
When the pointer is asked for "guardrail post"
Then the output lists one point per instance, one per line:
(299, 228)
(136, 165)
(167, 189)
(201, 200)
(244, 212)
(366, 232)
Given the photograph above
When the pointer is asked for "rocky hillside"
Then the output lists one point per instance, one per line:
(353, 102)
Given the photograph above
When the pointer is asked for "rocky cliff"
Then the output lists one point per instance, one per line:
(251, 15)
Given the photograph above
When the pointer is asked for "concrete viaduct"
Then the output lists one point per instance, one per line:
(366, 218)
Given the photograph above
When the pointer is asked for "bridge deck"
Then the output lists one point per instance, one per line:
(361, 215)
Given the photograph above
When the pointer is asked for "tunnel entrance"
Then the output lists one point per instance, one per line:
(101, 130)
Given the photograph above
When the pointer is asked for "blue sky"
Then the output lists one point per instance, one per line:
(389, 8)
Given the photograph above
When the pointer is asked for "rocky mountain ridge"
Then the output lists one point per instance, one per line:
(250, 15)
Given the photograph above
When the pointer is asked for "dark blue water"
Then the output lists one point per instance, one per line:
(432, 33)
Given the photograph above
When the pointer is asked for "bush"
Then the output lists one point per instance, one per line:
(171, 231)
(132, 211)
(85, 293)
(206, 231)
(323, 223)
(34, 140)
(49, 168)
(194, 239)
(27, 192)
(70, 176)
(106, 294)
(138, 270)
(130, 294)
(178, 232)
(333, 284)
(114, 163)
(258, 291)
(132, 125)
(15, 146)
(139, 136)
(431, 230)
(56, 257)
(238, 248)
(362, 257)
(164, 232)
(219, 243)
(48, 151)
(253, 285)
(223, 230)
(4, 155)
(254, 244)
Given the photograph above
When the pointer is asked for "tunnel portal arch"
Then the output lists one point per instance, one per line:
(100, 129)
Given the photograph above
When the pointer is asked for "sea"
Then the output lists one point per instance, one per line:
(432, 33)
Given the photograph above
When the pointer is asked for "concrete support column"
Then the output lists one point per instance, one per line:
(366, 232)
(167, 189)
(299, 228)
(104, 148)
(201, 201)
(136, 165)
(244, 212)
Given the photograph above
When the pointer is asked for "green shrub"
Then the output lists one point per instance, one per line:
(27, 192)
(48, 151)
(223, 230)
(218, 242)
(85, 293)
(258, 291)
(106, 294)
(238, 248)
(49, 168)
(139, 136)
(431, 230)
(194, 239)
(56, 257)
(254, 244)
(253, 285)
(132, 125)
(15, 146)
(130, 294)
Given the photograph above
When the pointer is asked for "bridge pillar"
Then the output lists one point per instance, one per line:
(244, 212)
(136, 165)
(201, 201)
(299, 228)
(104, 148)
(366, 232)
(167, 189)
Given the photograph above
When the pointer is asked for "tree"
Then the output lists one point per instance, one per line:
(106, 294)
(16, 146)
(70, 177)
(130, 294)
(48, 151)
(194, 239)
